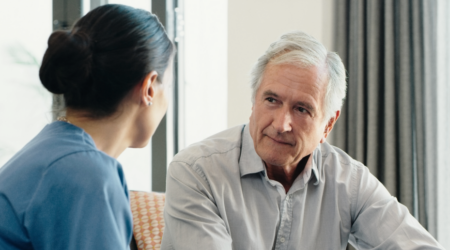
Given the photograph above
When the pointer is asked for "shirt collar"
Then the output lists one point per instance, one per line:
(251, 163)
(312, 167)
(314, 164)
(59, 127)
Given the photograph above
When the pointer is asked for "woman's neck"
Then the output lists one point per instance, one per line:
(111, 134)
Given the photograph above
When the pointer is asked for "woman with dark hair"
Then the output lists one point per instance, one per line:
(65, 189)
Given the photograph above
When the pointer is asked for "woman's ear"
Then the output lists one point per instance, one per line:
(148, 86)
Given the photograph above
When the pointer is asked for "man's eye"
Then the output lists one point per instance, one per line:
(302, 110)
(271, 100)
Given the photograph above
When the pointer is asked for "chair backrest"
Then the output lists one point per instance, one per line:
(148, 219)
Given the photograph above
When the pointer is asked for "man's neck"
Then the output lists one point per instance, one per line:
(286, 175)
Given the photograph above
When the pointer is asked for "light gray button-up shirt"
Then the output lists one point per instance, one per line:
(219, 197)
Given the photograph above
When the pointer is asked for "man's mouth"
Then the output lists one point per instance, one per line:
(280, 141)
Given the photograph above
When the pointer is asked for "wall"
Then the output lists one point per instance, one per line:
(252, 26)
(205, 67)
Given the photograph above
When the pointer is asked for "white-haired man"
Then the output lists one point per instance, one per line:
(275, 183)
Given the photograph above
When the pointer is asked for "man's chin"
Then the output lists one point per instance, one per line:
(272, 154)
(276, 161)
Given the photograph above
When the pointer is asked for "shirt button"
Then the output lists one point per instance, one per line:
(287, 197)
(282, 239)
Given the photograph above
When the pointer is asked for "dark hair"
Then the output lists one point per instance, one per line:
(108, 52)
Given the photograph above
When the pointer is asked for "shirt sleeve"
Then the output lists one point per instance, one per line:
(81, 202)
(192, 219)
(379, 221)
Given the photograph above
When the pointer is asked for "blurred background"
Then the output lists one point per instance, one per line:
(395, 117)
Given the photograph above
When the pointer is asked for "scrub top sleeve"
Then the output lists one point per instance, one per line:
(80, 203)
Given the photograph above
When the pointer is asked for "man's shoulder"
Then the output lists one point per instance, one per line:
(333, 159)
(214, 146)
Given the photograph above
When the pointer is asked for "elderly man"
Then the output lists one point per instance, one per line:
(275, 183)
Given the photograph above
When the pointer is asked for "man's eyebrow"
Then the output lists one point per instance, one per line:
(270, 93)
(303, 104)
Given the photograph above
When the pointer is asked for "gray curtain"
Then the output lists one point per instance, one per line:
(443, 122)
(388, 120)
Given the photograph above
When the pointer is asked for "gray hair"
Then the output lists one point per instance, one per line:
(304, 50)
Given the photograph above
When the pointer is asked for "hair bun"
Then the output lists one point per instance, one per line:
(67, 63)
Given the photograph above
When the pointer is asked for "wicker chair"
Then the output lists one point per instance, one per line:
(148, 220)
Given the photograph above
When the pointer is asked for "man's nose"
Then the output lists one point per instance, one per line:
(283, 121)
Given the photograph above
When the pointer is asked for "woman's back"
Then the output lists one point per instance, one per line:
(60, 181)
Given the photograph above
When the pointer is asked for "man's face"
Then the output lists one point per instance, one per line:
(287, 120)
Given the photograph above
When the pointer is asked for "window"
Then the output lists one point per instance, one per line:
(24, 103)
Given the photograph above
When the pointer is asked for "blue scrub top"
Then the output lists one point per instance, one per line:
(61, 192)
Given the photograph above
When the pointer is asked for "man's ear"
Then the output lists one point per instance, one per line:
(251, 113)
(147, 91)
(330, 126)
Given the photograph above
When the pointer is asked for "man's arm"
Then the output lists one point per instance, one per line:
(379, 221)
(192, 220)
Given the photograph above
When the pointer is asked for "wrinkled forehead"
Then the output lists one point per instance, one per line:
(321, 70)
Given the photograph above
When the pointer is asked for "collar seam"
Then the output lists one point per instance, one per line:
(206, 156)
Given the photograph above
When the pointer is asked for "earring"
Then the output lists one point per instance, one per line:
(149, 104)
